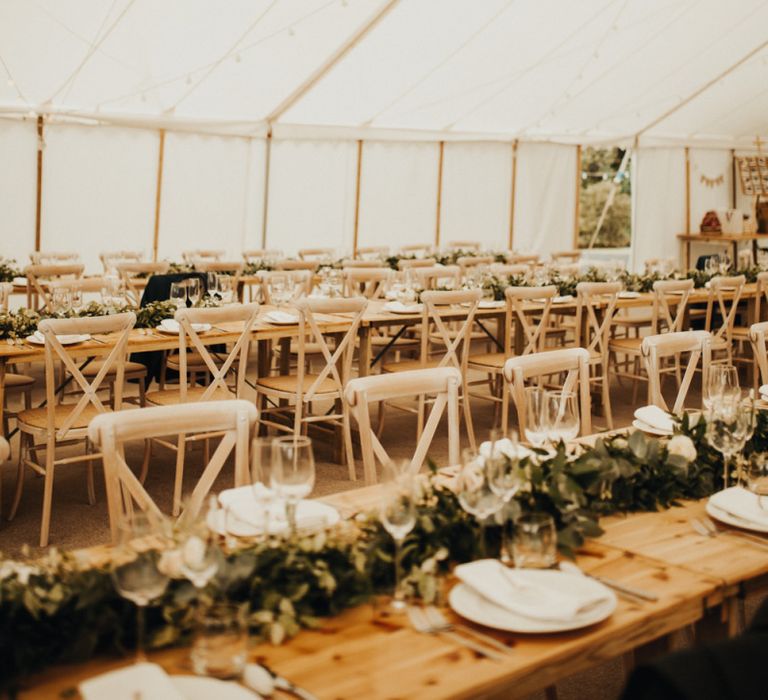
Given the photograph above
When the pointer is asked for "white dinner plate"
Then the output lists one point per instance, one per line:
(727, 516)
(173, 327)
(472, 606)
(488, 304)
(37, 338)
(629, 295)
(563, 300)
(204, 688)
(398, 309)
(644, 427)
(281, 318)
(20, 281)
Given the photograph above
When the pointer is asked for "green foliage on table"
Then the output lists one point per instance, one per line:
(8, 270)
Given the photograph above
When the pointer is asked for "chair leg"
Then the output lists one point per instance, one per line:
(23, 438)
(89, 476)
(347, 429)
(145, 461)
(179, 477)
(380, 420)
(606, 393)
(45, 525)
(468, 418)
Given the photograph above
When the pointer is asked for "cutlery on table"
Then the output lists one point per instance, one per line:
(253, 680)
(441, 623)
(421, 624)
(707, 527)
(622, 588)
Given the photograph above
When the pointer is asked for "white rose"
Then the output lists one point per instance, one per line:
(682, 446)
(170, 563)
(505, 446)
(193, 552)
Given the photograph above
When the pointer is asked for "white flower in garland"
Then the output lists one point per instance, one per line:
(682, 446)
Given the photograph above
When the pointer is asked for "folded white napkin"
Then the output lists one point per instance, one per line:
(399, 306)
(741, 503)
(655, 417)
(281, 317)
(513, 590)
(173, 326)
(513, 450)
(38, 336)
(764, 391)
(144, 680)
(563, 299)
(491, 304)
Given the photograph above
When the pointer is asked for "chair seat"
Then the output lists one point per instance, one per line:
(641, 319)
(171, 397)
(492, 360)
(194, 361)
(408, 365)
(37, 418)
(287, 383)
(399, 343)
(132, 369)
(452, 333)
(17, 381)
(309, 348)
(719, 343)
(626, 344)
(741, 332)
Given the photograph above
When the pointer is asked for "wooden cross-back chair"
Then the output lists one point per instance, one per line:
(416, 248)
(510, 269)
(375, 251)
(441, 346)
(522, 259)
(233, 420)
(234, 268)
(655, 348)
(316, 254)
(468, 261)
(758, 333)
(574, 362)
(39, 277)
(670, 301)
(369, 282)
(533, 326)
(136, 274)
(595, 307)
(722, 305)
(257, 254)
(463, 245)
(742, 334)
(435, 276)
(441, 382)
(49, 257)
(111, 259)
(202, 254)
(305, 388)
(58, 423)
(294, 265)
(365, 263)
(406, 263)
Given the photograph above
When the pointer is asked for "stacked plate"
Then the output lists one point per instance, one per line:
(397, 307)
(281, 318)
(37, 338)
(654, 421)
(738, 507)
(173, 327)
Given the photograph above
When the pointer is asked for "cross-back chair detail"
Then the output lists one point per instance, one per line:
(370, 282)
(758, 334)
(233, 420)
(316, 254)
(664, 345)
(406, 263)
(574, 362)
(135, 274)
(443, 383)
(377, 251)
(111, 259)
(62, 423)
(39, 277)
(49, 257)
(202, 254)
(294, 265)
(720, 288)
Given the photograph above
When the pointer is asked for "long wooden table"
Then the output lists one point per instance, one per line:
(367, 652)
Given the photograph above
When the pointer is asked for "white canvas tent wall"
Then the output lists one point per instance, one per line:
(296, 84)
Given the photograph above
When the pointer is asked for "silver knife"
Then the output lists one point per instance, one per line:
(623, 588)
(286, 686)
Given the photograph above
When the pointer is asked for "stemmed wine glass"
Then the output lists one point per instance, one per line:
(473, 489)
(757, 477)
(225, 290)
(727, 425)
(261, 469)
(397, 512)
(212, 280)
(194, 291)
(563, 416)
(722, 382)
(505, 477)
(200, 553)
(135, 572)
(292, 475)
(537, 416)
(280, 289)
(178, 295)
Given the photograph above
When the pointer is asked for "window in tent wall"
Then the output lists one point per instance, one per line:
(605, 178)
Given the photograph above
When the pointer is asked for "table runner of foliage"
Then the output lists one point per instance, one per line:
(58, 609)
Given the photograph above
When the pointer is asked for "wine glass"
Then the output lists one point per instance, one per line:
(757, 477)
(537, 416)
(473, 489)
(563, 416)
(194, 290)
(748, 406)
(292, 476)
(212, 282)
(335, 283)
(135, 573)
(726, 431)
(76, 298)
(61, 299)
(178, 295)
(397, 512)
(200, 554)
(722, 383)
(505, 477)
(261, 469)
(280, 289)
(225, 289)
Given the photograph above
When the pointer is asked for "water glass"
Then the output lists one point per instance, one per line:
(534, 544)
(194, 290)
(505, 477)
(220, 646)
(213, 284)
(292, 475)
(537, 416)
(76, 298)
(178, 295)
(727, 426)
(225, 288)
(200, 553)
(563, 416)
(722, 383)
(61, 299)
(757, 477)
(473, 489)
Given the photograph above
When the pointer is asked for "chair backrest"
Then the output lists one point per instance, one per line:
(234, 268)
(442, 382)
(377, 251)
(455, 341)
(522, 259)
(316, 254)
(433, 276)
(463, 245)
(200, 255)
(416, 248)
(367, 262)
(302, 279)
(39, 275)
(566, 256)
(111, 259)
(6, 288)
(369, 282)
(293, 265)
(758, 333)
(235, 313)
(533, 324)
(43, 257)
(256, 254)
(131, 272)
(55, 352)
(467, 261)
(405, 263)
(235, 419)
(338, 364)
(670, 298)
(573, 361)
(656, 347)
(84, 284)
(720, 288)
(591, 298)
(510, 270)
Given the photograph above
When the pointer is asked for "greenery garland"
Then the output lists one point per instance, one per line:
(58, 609)
(8, 270)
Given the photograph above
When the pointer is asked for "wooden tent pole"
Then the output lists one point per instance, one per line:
(577, 206)
(356, 230)
(158, 194)
(439, 192)
(512, 195)
(687, 190)
(39, 192)
(265, 204)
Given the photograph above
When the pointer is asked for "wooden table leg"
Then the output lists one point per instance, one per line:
(364, 351)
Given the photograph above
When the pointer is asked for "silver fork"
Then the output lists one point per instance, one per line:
(710, 528)
(421, 624)
(441, 624)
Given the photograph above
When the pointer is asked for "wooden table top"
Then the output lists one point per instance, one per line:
(369, 652)
(728, 237)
